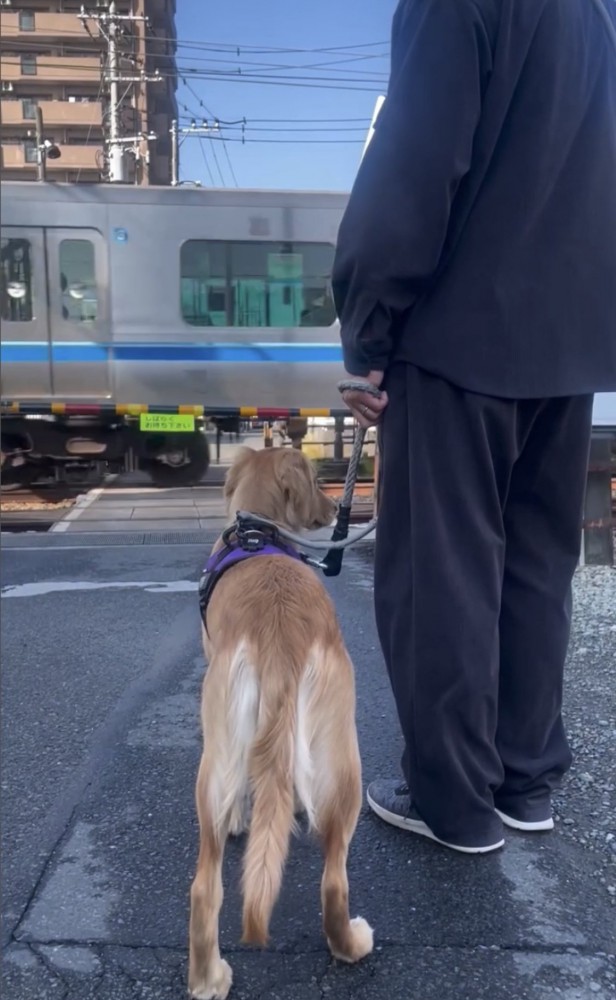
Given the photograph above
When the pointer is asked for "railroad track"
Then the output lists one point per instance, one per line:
(38, 507)
(43, 496)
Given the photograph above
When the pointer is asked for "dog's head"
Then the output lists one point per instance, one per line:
(279, 484)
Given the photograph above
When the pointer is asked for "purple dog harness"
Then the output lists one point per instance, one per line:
(250, 541)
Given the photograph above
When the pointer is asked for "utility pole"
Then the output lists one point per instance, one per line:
(41, 172)
(118, 145)
(175, 154)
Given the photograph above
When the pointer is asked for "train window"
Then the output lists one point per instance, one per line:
(16, 280)
(256, 283)
(78, 281)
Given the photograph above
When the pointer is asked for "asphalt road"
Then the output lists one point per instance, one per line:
(100, 747)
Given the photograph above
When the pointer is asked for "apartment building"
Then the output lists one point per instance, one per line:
(51, 58)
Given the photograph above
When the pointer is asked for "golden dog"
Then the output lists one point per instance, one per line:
(278, 717)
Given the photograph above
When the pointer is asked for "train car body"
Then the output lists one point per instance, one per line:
(191, 295)
(116, 299)
(121, 296)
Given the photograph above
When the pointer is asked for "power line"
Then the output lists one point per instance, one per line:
(230, 164)
(265, 49)
(230, 48)
(226, 76)
(207, 111)
(295, 120)
(319, 83)
(248, 122)
(237, 127)
(240, 46)
(223, 182)
(207, 165)
(237, 65)
(308, 142)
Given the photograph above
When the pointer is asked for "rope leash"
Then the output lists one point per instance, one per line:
(332, 563)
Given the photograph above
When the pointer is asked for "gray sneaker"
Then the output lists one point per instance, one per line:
(525, 825)
(391, 801)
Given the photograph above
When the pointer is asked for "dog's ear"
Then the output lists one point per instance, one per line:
(295, 472)
(241, 460)
(298, 484)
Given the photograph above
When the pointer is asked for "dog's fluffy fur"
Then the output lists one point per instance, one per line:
(278, 717)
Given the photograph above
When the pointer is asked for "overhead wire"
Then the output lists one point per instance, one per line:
(226, 47)
(209, 112)
(265, 75)
(317, 82)
(236, 64)
(207, 165)
(300, 142)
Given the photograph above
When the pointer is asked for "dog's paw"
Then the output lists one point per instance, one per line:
(363, 938)
(358, 943)
(216, 985)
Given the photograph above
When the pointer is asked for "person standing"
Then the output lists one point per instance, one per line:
(475, 283)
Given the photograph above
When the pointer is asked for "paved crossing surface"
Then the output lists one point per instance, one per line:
(101, 674)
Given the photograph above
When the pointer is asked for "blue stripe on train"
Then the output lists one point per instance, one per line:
(91, 352)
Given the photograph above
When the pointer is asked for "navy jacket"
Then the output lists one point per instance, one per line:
(479, 241)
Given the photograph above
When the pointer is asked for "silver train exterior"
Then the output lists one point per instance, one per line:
(113, 296)
(116, 295)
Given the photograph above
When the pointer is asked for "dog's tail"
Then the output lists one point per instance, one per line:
(272, 763)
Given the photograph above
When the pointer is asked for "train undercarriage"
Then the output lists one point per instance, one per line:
(71, 448)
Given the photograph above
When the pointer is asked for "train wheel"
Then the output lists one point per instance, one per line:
(180, 466)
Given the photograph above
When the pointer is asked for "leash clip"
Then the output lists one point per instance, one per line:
(251, 539)
(252, 534)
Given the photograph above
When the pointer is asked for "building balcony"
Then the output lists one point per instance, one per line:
(34, 26)
(50, 69)
(86, 114)
(15, 157)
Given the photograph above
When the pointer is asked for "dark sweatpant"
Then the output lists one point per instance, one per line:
(478, 539)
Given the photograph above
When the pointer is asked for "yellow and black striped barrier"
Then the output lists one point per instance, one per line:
(25, 408)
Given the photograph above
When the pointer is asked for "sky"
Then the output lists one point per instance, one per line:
(345, 88)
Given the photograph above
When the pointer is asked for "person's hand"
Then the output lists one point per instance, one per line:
(366, 409)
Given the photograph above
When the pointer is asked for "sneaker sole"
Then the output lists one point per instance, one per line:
(528, 827)
(418, 826)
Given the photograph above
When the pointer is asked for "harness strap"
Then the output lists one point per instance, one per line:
(231, 554)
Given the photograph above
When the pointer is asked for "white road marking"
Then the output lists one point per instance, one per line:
(81, 504)
(103, 545)
(58, 586)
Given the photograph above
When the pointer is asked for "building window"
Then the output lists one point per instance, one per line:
(28, 109)
(28, 65)
(26, 20)
(254, 284)
(15, 281)
(78, 281)
(30, 152)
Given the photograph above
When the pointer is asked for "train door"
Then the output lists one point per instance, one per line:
(79, 318)
(26, 347)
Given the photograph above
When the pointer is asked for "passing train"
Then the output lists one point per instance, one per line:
(131, 315)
